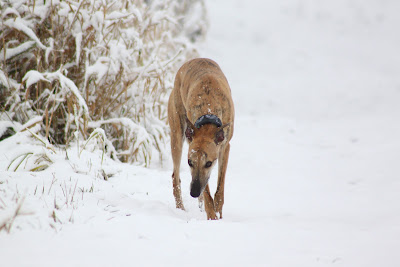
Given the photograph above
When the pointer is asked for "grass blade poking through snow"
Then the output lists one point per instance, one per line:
(98, 132)
(24, 156)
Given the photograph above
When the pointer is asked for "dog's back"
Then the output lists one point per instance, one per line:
(202, 88)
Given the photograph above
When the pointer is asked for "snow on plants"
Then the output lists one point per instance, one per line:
(82, 65)
(83, 86)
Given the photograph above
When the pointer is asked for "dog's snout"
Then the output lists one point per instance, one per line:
(195, 188)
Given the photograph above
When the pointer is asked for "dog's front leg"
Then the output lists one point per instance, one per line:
(176, 147)
(222, 165)
(176, 151)
(209, 204)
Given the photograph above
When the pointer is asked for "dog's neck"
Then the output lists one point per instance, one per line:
(208, 119)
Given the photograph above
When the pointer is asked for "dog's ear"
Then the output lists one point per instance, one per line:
(220, 134)
(189, 132)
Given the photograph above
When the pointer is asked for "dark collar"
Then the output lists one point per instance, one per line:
(206, 119)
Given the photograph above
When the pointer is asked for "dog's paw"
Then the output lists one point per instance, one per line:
(179, 205)
(218, 203)
(212, 216)
(219, 214)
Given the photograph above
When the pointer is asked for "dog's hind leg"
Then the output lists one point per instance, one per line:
(222, 165)
(209, 204)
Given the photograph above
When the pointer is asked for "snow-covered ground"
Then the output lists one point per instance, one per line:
(313, 177)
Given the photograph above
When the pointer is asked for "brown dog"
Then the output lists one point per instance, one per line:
(200, 109)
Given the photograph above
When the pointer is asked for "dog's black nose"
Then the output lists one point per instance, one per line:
(195, 189)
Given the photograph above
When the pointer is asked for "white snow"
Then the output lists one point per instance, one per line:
(32, 77)
(12, 52)
(68, 84)
(19, 24)
(313, 177)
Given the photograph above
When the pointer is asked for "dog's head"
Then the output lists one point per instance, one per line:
(204, 146)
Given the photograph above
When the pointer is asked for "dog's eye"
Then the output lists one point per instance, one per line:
(208, 164)
(190, 163)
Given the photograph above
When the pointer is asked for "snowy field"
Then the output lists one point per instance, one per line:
(314, 173)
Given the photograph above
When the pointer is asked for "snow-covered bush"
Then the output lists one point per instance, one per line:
(87, 64)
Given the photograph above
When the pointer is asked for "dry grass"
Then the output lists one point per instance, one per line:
(82, 65)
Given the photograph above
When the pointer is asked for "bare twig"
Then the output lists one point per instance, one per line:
(8, 222)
